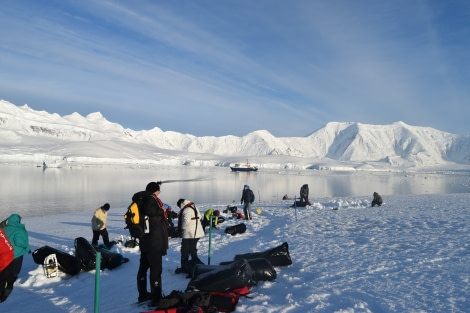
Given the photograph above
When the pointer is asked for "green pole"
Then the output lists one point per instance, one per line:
(210, 242)
(97, 281)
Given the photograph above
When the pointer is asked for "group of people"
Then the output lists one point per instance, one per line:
(14, 241)
(154, 243)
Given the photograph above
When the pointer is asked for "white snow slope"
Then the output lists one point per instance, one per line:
(38, 136)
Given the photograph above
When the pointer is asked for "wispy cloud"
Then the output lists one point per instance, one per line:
(238, 66)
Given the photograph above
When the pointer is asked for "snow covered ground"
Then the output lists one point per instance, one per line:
(410, 255)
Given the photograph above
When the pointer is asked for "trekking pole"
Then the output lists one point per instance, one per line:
(295, 207)
(210, 241)
(97, 281)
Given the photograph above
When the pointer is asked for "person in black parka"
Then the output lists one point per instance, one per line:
(377, 200)
(248, 197)
(304, 195)
(153, 245)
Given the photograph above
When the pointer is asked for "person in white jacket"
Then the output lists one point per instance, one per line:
(189, 224)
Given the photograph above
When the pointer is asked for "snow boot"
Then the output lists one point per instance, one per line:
(144, 295)
(156, 296)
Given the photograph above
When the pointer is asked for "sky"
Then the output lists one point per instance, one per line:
(214, 68)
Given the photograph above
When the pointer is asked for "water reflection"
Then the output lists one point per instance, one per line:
(33, 191)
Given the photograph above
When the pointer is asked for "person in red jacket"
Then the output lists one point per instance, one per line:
(6, 251)
(17, 236)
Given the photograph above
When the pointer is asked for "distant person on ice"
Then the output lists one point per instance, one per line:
(14, 243)
(377, 200)
(247, 199)
(303, 201)
(304, 195)
(98, 225)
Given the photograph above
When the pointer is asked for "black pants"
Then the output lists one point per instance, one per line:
(8, 276)
(150, 260)
(96, 236)
(189, 248)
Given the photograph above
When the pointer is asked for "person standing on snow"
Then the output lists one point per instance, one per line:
(189, 224)
(153, 245)
(98, 225)
(248, 197)
(18, 238)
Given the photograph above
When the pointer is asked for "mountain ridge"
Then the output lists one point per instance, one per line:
(346, 144)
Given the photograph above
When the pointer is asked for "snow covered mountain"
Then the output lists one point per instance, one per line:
(36, 136)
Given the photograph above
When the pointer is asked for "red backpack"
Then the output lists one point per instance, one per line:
(226, 301)
(6, 250)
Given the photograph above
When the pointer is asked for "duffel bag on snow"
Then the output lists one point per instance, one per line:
(67, 263)
(262, 270)
(111, 259)
(236, 229)
(278, 256)
(87, 255)
(233, 276)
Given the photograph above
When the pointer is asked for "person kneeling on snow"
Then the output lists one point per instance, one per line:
(216, 218)
(377, 200)
(189, 223)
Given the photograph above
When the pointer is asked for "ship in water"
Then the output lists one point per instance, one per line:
(247, 167)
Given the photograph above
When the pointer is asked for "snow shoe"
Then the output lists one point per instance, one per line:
(51, 267)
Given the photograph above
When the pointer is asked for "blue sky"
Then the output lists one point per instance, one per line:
(213, 68)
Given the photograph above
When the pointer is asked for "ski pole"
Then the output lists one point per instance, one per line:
(210, 241)
(295, 207)
(97, 281)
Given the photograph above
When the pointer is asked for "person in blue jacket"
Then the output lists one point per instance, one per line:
(18, 237)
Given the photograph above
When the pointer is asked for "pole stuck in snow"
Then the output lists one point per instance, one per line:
(295, 207)
(97, 281)
(210, 242)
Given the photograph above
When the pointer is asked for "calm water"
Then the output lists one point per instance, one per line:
(32, 191)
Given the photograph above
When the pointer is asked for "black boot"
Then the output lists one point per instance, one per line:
(144, 295)
(184, 266)
(156, 296)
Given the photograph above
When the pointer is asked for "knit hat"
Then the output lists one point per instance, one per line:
(105, 206)
(216, 212)
(153, 187)
(180, 201)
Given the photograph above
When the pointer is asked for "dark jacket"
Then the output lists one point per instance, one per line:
(247, 196)
(157, 238)
(304, 192)
(377, 200)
